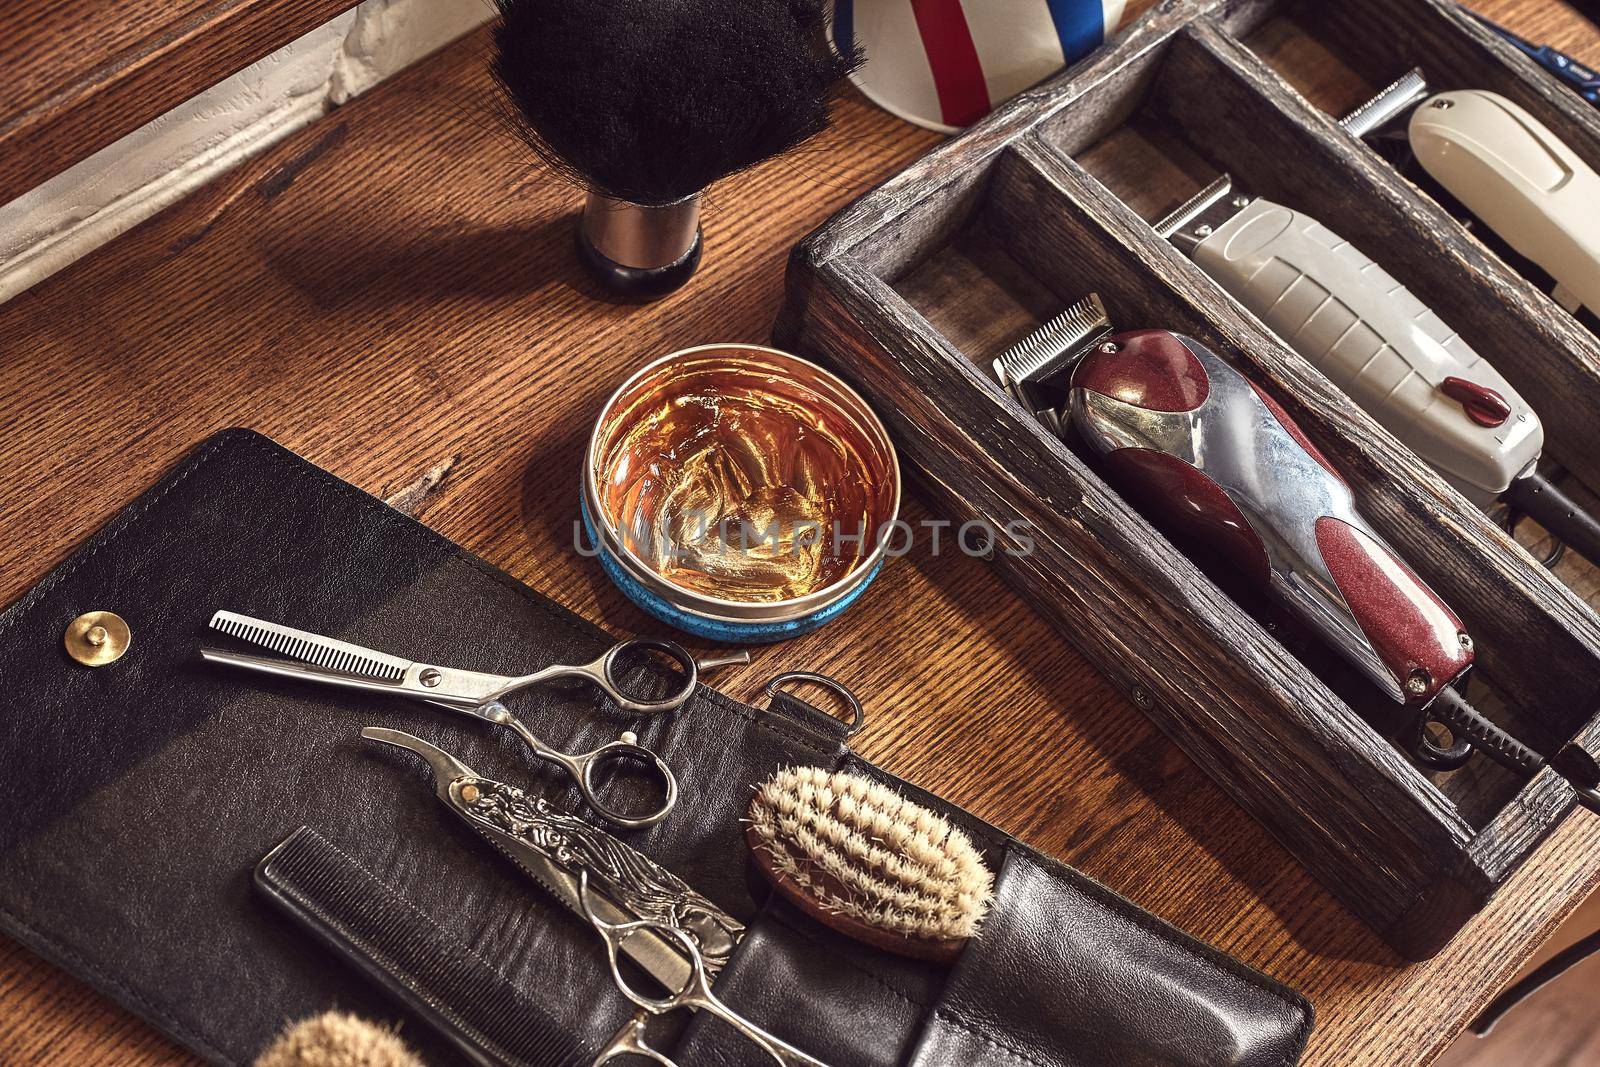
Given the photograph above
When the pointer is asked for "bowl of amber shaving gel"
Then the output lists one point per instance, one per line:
(740, 493)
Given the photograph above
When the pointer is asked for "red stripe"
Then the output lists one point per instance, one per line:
(957, 71)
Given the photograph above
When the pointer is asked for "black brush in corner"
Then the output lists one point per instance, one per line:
(645, 103)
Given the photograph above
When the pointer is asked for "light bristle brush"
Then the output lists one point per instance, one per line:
(869, 863)
(646, 104)
(338, 1039)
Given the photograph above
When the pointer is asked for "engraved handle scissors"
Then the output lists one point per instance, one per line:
(323, 659)
(695, 993)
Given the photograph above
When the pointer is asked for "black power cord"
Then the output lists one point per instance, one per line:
(1467, 723)
(1536, 497)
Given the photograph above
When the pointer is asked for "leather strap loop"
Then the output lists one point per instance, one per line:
(858, 715)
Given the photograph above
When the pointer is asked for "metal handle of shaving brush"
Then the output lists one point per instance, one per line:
(640, 251)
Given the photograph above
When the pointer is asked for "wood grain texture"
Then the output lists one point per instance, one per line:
(76, 77)
(1556, 1027)
(1327, 69)
(1171, 109)
(394, 286)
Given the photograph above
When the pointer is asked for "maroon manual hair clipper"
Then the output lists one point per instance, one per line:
(1205, 454)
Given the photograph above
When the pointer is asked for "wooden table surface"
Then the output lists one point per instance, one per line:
(75, 77)
(393, 289)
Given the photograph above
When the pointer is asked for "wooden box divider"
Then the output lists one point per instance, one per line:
(912, 290)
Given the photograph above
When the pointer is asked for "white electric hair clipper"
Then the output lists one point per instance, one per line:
(1367, 333)
(1505, 167)
(1509, 170)
(1375, 340)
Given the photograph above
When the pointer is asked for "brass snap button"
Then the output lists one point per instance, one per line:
(97, 638)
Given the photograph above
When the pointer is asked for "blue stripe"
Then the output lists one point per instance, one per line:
(844, 26)
(1080, 24)
(737, 633)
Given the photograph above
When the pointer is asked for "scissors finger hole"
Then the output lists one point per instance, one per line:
(644, 991)
(651, 675)
(629, 784)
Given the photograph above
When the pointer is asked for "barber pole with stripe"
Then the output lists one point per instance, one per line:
(944, 64)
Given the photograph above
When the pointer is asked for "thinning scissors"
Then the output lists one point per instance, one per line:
(317, 658)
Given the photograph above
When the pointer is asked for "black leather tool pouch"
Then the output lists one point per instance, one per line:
(1065, 973)
(139, 797)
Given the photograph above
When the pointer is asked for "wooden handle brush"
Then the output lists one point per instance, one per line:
(645, 103)
(860, 858)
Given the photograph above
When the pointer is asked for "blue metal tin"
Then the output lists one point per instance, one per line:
(692, 610)
(732, 631)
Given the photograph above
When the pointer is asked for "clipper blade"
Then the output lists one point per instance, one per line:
(1193, 208)
(1035, 368)
(1406, 92)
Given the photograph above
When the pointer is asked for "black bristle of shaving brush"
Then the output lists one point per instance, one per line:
(650, 101)
(645, 103)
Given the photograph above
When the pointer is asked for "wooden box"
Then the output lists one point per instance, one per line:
(913, 289)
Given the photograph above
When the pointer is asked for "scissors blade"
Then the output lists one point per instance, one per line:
(658, 956)
(464, 792)
(446, 768)
(339, 657)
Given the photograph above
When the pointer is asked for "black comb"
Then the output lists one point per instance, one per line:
(415, 960)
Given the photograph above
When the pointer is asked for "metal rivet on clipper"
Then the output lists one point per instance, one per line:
(97, 638)
(1419, 681)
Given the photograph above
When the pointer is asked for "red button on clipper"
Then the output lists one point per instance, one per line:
(1483, 405)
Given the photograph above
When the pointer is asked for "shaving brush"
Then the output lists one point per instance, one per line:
(862, 859)
(645, 103)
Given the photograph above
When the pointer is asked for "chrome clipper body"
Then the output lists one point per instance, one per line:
(1204, 453)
